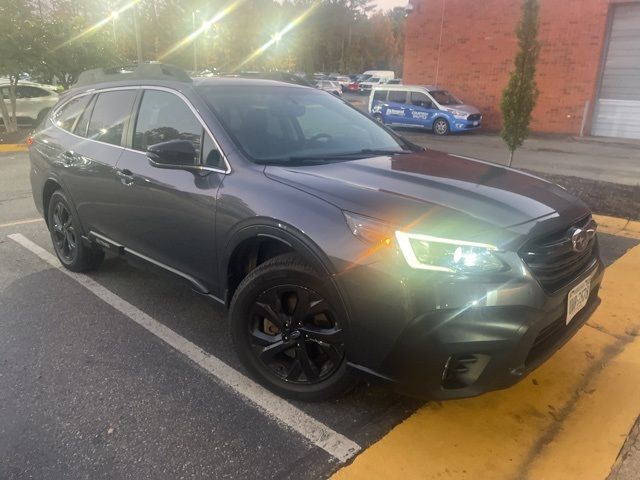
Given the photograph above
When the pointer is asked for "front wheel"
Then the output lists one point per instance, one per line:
(65, 230)
(289, 332)
(441, 127)
(378, 117)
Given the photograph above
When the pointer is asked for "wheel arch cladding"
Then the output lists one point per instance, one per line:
(256, 244)
(50, 186)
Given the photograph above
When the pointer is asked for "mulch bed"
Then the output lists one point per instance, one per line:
(18, 137)
(604, 198)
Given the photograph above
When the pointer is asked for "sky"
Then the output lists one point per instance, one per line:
(389, 4)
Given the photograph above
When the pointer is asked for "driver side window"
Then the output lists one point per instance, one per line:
(163, 116)
(421, 100)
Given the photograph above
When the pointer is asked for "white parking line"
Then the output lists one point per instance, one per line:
(273, 406)
(21, 222)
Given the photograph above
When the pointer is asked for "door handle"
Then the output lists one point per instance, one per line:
(126, 176)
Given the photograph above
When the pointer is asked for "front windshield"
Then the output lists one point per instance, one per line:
(280, 124)
(445, 98)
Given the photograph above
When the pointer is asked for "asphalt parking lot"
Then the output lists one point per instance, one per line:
(129, 374)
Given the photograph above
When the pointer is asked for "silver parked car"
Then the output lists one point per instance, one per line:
(330, 86)
(33, 101)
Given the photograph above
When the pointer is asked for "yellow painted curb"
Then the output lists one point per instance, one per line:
(567, 420)
(13, 147)
(618, 226)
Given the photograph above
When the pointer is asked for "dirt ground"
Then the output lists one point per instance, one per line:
(19, 137)
(602, 197)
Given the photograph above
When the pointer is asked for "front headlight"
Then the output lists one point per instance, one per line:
(425, 252)
(458, 114)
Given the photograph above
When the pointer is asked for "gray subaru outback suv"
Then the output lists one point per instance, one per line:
(338, 248)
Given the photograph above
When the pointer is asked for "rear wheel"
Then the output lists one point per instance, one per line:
(441, 127)
(65, 230)
(289, 332)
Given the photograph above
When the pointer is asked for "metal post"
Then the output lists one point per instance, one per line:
(195, 44)
(137, 31)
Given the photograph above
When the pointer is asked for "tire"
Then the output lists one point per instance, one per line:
(379, 118)
(278, 342)
(66, 236)
(441, 127)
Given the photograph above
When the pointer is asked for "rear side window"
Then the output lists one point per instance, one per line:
(31, 92)
(83, 122)
(380, 95)
(164, 116)
(66, 116)
(110, 114)
(397, 96)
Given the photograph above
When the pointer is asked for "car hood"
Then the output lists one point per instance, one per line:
(437, 193)
(470, 109)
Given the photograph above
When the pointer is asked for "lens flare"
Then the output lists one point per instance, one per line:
(276, 37)
(93, 28)
(206, 25)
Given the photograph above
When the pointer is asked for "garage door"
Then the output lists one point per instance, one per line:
(617, 112)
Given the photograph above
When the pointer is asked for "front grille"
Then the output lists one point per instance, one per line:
(552, 259)
(474, 117)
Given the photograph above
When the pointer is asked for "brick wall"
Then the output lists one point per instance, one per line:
(478, 46)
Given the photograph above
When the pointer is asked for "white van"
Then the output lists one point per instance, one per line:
(372, 78)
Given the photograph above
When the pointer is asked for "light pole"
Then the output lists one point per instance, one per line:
(195, 42)
(137, 31)
(114, 17)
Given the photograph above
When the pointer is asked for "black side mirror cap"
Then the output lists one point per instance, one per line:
(173, 154)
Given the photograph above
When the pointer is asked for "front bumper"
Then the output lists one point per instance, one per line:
(446, 352)
(460, 125)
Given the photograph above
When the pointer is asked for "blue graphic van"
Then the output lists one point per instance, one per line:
(427, 107)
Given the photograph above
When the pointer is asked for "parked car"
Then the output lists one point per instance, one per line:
(339, 248)
(276, 75)
(366, 86)
(33, 101)
(429, 107)
(385, 75)
(341, 80)
(329, 86)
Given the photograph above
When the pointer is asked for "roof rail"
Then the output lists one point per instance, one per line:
(142, 71)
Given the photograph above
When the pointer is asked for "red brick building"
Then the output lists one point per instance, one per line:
(589, 64)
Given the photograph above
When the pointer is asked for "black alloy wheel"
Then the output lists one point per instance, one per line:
(66, 236)
(289, 330)
(294, 333)
(65, 239)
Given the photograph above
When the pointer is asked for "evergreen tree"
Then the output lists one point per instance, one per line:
(520, 96)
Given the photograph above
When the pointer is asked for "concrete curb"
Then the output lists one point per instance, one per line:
(13, 147)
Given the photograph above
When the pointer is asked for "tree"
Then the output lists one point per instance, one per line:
(520, 96)
(20, 50)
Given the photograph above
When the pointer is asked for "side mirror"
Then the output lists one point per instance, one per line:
(172, 154)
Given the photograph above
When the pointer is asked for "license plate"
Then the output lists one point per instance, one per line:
(577, 299)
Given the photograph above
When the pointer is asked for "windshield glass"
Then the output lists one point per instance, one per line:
(445, 98)
(277, 124)
(374, 80)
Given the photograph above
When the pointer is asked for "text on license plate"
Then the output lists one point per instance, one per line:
(577, 299)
